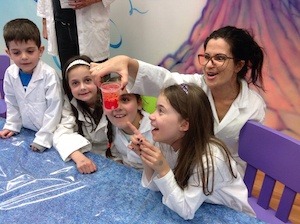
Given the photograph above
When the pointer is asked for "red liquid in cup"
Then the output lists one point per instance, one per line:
(110, 95)
(110, 103)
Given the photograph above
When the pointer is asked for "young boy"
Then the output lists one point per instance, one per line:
(33, 91)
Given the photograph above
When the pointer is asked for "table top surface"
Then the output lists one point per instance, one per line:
(41, 188)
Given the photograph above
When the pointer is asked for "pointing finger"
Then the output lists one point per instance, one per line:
(133, 128)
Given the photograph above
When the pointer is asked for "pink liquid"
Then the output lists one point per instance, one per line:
(110, 95)
(111, 104)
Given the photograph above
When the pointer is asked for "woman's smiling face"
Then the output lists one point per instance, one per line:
(220, 76)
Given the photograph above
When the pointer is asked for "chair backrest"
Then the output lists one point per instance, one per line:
(278, 156)
(4, 64)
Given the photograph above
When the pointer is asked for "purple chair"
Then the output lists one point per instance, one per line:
(4, 64)
(278, 157)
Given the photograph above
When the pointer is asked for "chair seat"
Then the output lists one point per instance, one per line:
(267, 215)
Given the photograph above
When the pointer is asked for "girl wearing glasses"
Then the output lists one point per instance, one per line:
(190, 166)
(229, 54)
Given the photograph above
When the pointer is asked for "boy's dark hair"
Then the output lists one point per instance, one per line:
(21, 30)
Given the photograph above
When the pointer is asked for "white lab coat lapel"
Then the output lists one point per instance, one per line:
(36, 76)
(234, 110)
(232, 114)
(17, 81)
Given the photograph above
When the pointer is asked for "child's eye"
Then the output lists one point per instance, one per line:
(88, 80)
(124, 99)
(160, 110)
(74, 83)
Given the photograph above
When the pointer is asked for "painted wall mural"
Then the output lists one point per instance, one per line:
(171, 32)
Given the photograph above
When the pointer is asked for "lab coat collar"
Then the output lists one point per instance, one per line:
(37, 74)
(239, 103)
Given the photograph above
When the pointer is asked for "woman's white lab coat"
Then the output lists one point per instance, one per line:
(92, 27)
(39, 107)
(248, 105)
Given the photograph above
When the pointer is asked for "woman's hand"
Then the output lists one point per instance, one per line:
(79, 4)
(44, 30)
(122, 65)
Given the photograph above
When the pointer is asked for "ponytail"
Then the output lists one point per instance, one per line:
(256, 59)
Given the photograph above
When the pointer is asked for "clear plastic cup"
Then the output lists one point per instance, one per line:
(110, 94)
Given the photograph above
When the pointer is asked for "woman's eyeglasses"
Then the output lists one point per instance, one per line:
(218, 59)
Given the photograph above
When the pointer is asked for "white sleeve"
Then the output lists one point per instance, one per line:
(151, 79)
(184, 202)
(149, 184)
(66, 140)
(41, 8)
(13, 116)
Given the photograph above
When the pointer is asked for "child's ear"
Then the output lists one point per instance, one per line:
(41, 49)
(185, 124)
(7, 52)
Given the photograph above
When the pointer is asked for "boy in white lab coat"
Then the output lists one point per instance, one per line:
(33, 91)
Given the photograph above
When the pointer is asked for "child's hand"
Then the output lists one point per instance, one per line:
(37, 148)
(6, 133)
(83, 163)
(150, 155)
(33, 148)
(136, 139)
(153, 157)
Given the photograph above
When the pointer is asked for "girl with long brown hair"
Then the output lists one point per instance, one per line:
(191, 165)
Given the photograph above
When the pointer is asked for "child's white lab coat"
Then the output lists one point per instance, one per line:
(39, 108)
(67, 140)
(229, 191)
